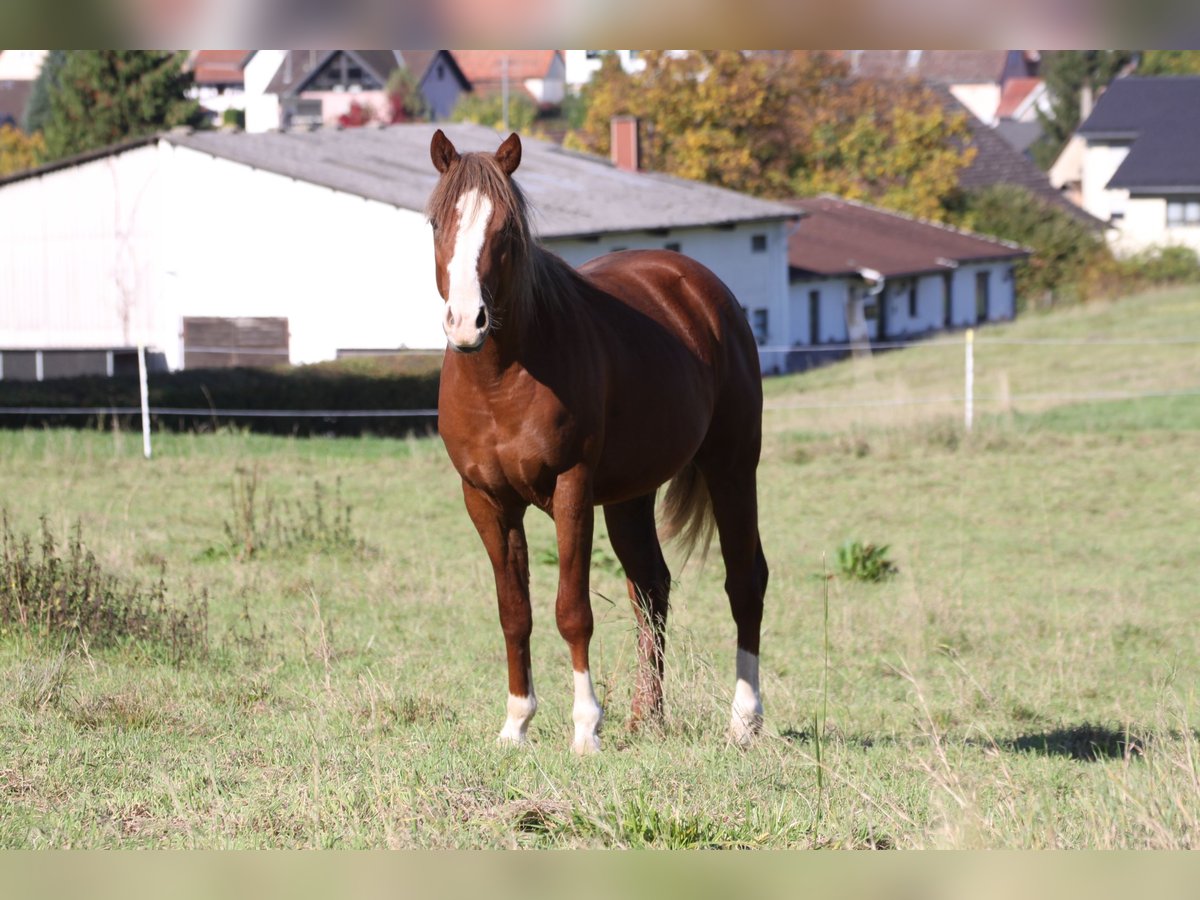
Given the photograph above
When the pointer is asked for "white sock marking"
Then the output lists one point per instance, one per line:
(466, 296)
(587, 715)
(520, 712)
(746, 720)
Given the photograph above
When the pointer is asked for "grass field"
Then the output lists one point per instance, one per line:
(1027, 679)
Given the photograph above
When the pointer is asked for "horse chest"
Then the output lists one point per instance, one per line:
(510, 462)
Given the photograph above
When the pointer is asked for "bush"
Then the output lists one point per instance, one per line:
(488, 109)
(1069, 261)
(1157, 266)
(366, 383)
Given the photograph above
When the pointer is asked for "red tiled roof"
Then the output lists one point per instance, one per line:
(839, 237)
(1016, 91)
(940, 66)
(488, 65)
(218, 66)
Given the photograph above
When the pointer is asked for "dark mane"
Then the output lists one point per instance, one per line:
(542, 281)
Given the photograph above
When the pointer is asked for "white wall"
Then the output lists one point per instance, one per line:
(981, 99)
(1145, 225)
(757, 279)
(1100, 163)
(78, 255)
(262, 109)
(21, 65)
(347, 273)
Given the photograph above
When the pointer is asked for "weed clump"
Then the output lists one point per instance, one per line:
(258, 525)
(52, 591)
(865, 562)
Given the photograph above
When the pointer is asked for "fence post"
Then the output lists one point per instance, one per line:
(969, 389)
(145, 390)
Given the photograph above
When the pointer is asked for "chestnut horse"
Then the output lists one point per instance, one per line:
(568, 390)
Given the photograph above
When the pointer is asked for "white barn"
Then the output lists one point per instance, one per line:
(217, 248)
(860, 273)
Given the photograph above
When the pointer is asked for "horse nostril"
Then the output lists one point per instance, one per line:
(481, 319)
(449, 317)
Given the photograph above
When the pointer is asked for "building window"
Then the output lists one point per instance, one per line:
(1184, 211)
(441, 72)
(593, 54)
(758, 243)
(758, 321)
(982, 283)
(673, 245)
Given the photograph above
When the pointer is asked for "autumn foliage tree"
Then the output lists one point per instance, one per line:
(784, 125)
(19, 151)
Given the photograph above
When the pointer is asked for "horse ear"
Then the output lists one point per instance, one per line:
(442, 152)
(509, 154)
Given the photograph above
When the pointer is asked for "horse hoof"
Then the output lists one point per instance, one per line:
(586, 746)
(510, 739)
(744, 729)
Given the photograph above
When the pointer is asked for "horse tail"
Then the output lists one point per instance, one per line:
(687, 512)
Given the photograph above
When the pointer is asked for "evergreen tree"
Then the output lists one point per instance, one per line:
(107, 96)
(1066, 73)
(37, 107)
(1169, 62)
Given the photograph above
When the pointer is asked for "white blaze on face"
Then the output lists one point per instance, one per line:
(587, 715)
(520, 711)
(747, 707)
(466, 295)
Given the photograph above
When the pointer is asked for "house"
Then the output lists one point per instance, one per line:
(218, 83)
(218, 248)
(580, 65)
(540, 74)
(1134, 164)
(860, 273)
(977, 78)
(292, 88)
(18, 71)
(997, 162)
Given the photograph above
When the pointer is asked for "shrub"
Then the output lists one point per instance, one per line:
(1156, 266)
(864, 562)
(488, 109)
(47, 592)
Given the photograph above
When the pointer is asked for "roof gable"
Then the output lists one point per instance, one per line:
(488, 65)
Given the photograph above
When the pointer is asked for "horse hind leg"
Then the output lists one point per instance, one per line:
(635, 541)
(735, 508)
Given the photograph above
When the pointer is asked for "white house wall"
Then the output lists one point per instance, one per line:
(757, 278)
(262, 109)
(78, 255)
(1100, 163)
(1145, 225)
(347, 273)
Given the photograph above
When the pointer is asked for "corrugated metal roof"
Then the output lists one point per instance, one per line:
(572, 194)
(839, 237)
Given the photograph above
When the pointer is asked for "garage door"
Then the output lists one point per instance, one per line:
(212, 343)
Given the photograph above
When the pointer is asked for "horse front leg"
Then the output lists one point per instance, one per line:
(573, 518)
(502, 529)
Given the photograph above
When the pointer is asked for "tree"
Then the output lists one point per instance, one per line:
(37, 107)
(19, 151)
(777, 125)
(1067, 260)
(107, 96)
(1067, 73)
(1169, 62)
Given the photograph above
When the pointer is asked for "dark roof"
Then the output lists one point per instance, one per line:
(300, 66)
(1162, 118)
(572, 194)
(419, 62)
(839, 237)
(1019, 135)
(997, 162)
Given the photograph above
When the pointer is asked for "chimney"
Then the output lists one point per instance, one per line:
(626, 148)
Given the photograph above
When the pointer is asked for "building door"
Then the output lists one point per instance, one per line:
(948, 299)
(814, 317)
(216, 343)
(982, 283)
